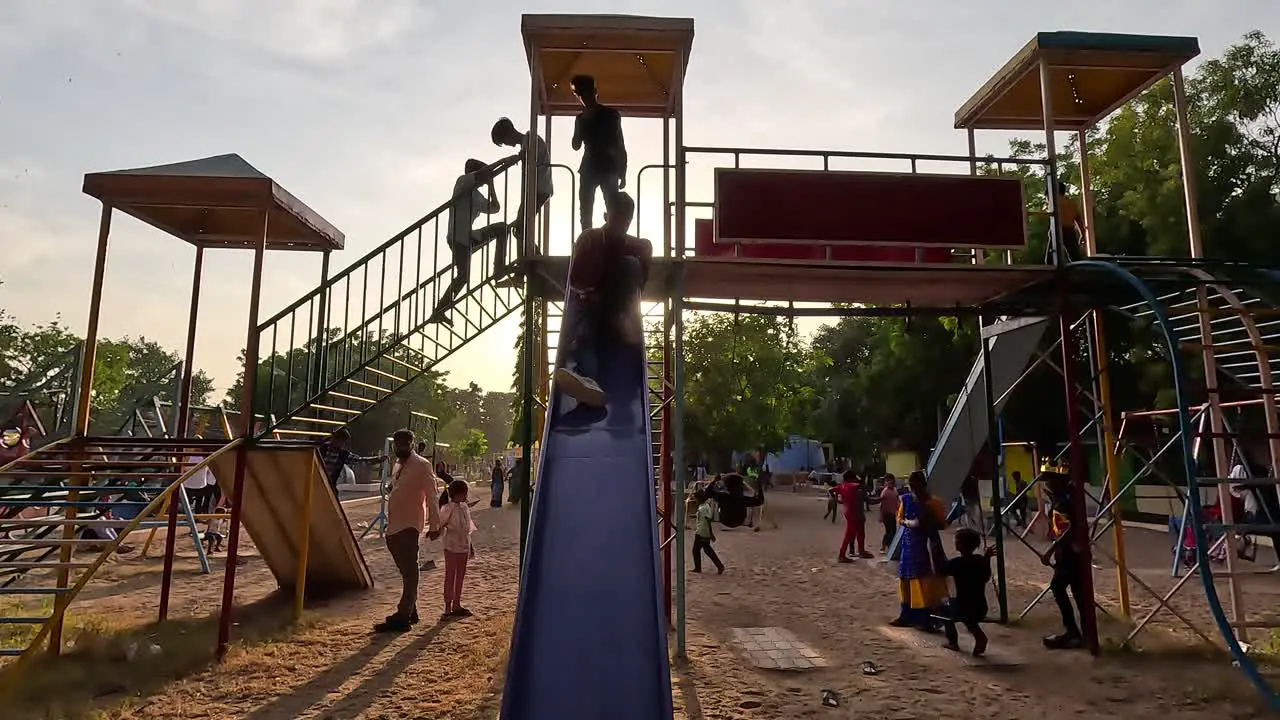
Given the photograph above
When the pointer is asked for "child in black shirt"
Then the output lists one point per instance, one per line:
(970, 573)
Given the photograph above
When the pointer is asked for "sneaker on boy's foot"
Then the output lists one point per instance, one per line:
(393, 623)
(583, 389)
(461, 612)
(1065, 641)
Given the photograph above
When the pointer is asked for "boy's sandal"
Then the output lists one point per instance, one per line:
(870, 668)
(830, 698)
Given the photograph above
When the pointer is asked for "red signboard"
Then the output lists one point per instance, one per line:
(868, 208)
(704, 245)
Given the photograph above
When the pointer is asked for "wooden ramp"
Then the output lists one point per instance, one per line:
(275, 483)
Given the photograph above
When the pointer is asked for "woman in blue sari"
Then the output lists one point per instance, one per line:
(922, 586)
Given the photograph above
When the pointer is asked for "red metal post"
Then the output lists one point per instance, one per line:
(246, 431)
(170, 539)
(1077, 472)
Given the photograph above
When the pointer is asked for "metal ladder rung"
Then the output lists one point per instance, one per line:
(1230, 347)
(63, 489)
(33, 591)
(18, 544)
(69, 503)
(1238, 624)
(74, 474)
(59, 520)
(37, 565)
(1247, 482)
(10, 652)
(17, 620)
(308, 433)
(1245, 528)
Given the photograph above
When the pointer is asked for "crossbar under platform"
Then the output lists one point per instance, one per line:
(923, 287)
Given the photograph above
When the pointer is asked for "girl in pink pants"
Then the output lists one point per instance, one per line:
(455, 518)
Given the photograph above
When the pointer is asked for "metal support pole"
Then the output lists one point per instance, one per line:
(1075, 452)
(90, 353)
(183, 424)
(997, 478)
(321, 347)
(304, 541)
(1051, 172)
(247, 413)
(532, 344)
(677, 365)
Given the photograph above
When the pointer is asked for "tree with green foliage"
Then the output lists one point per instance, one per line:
(747, 385)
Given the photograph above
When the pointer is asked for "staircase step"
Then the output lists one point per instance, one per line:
(357, 383)
(345, 396)
(306, 433)
(333, 409)
(318, 421)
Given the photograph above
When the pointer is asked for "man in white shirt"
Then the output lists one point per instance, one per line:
(468, 204)
(532, 148)
(411, 511)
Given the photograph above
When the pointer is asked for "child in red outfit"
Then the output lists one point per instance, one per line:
(854, 501)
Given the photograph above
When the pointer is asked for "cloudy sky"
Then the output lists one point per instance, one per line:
(366, 109)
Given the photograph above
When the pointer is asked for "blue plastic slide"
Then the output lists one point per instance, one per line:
(590, 638)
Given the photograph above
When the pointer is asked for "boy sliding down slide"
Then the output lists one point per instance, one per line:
(606, 275)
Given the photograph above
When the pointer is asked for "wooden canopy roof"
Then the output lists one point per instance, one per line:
(638, 62)
(215, 202)
(1091, 75)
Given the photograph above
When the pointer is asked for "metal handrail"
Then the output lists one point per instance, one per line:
(497, 167)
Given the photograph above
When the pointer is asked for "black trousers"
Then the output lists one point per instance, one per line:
(403, 546)
(890, 524)
(1066, 576)
(969, 617)
(703, 545)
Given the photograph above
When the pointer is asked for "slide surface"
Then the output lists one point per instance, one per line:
(967, 426)
(590, 637)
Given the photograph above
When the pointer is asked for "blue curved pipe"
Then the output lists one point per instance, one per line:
(1190, 472)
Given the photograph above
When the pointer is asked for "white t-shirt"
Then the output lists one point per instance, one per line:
(201, 478)
(1242, 491)
(465, 209)
(542, 156)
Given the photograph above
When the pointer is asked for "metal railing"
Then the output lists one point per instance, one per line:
(700, 176)
(376, 306)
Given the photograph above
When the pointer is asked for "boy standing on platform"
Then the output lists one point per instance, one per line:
(532, 149)
(597, 131)
(607, 273)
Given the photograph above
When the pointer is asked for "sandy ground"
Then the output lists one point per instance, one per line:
(330, 666)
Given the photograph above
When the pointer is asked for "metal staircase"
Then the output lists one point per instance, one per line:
(377, 326)
(49, 500)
